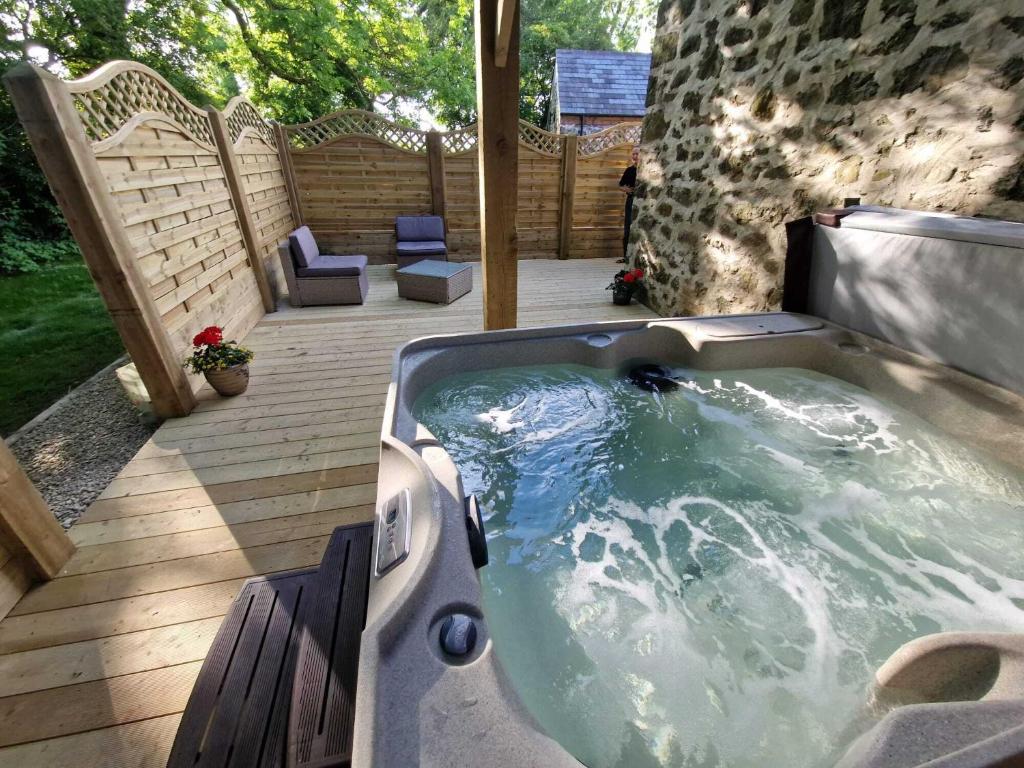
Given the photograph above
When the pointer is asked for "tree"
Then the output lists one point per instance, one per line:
(545, 26)
(73, 37)
(306, 58)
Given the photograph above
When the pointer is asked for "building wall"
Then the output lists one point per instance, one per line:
(591, 123)
(761, 112)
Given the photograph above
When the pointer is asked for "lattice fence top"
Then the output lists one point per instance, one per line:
(352, 122)
(116, 92)
(356, 122)
(540, 140)
(459, 139)
(240, 113)
(596, 143)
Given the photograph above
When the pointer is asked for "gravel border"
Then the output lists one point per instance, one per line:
(74, 448)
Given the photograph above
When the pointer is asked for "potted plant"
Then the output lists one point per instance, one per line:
(224, 364)
(623, 285)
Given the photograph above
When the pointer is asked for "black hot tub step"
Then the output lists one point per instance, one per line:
(239, 711)
(324, 694)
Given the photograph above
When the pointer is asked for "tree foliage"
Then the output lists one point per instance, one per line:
(296, 60)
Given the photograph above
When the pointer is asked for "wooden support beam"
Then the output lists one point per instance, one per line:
(567, 196)
(497, 106)
(28, 530)
(46, 110)
(435, 170)
(504, 22)
(285, 154)
(250, 237)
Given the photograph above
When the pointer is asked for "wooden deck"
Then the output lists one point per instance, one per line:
(96, 666)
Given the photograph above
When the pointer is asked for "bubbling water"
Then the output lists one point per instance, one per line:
(710, 576)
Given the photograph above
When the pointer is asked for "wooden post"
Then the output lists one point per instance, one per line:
(47, 112)
(250, 237)
(28, 530)
(505, 23)
(435, 168)
(285, 155)
(566, 200)
(497, 105)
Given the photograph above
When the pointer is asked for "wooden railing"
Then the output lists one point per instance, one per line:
(356, 171)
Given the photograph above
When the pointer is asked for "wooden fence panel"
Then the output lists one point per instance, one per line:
(255, 145)
(463, 205)
(158, 156)
(598, 203)
(356, 185)
(64, 122)
(174, 202)
(539, 193)
(355, 171)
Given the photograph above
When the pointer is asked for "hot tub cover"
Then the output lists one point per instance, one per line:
(945, 226)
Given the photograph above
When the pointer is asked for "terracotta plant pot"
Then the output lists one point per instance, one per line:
(622, 294)
(229, 381)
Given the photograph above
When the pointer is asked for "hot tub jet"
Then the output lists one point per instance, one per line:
(652, 378)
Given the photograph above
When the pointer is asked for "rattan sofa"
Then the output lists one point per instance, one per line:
(316, 278)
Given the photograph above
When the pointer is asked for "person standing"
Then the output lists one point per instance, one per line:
(628, 185)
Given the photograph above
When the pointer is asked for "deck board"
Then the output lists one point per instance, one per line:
(96, 666)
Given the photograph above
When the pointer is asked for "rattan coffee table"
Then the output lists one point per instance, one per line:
(437, 281)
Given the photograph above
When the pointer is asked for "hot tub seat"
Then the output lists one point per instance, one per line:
(958, 696)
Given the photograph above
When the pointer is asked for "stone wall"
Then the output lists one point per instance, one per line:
(762, 111)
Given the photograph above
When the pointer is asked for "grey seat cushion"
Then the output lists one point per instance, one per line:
(304, 249)
(419, 229)
(422, 248)
(327, 265)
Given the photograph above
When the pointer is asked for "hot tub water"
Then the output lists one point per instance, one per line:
(710, 576)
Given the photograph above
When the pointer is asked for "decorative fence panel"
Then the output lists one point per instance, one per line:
(355, 171)
(598, 204)
(539, 195)
(357, 185)
(266, 189)
(167, 181)
(151, 189)
(175, 205)
(462, 202)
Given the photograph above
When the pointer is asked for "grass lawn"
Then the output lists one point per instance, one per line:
(55, 333)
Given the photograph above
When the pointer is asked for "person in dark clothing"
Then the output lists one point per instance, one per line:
(628, 185)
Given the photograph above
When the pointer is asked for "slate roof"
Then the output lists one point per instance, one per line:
(601, 82)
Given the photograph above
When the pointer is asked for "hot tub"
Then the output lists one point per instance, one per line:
(433, 687)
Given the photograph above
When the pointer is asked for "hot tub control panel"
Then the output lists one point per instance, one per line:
(394, 532)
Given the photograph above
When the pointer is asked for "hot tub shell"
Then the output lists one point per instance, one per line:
(416, 705)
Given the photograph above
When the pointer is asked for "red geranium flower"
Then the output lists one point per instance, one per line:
(211, 335)
(638, 274)
(629, 277)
